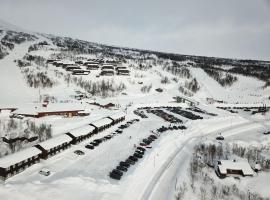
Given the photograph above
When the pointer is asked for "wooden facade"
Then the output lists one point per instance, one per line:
(19, 161)
(15, 163)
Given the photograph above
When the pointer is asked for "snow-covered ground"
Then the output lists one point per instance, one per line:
(164, 167)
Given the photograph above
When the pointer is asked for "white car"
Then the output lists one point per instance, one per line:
(45, 172)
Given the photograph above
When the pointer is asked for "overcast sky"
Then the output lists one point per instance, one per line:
(224, 28)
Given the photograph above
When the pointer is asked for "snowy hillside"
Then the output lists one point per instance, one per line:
(185, 112)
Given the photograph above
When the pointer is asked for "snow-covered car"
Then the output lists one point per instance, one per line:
(45, 172)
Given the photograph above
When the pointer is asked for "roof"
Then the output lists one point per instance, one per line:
(237, 165)
(117, 115)
(18, 157)
(84, 130)
(52, 107)
(51, 143)
(101, 122)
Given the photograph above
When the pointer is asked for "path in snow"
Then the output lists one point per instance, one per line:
(13, 88)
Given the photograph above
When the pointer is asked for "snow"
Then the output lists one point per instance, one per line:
(55, 141)
(12, 159)
(84, 130)
(235, 165)
(52, 107)
(154, 176)
(117, 116)
(101, 122)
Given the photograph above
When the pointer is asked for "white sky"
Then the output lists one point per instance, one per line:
(224, 28)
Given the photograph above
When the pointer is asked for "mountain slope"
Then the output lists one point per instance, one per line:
(22, 80)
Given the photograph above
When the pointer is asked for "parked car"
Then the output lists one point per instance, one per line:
(89, 146)
(116, 171)
(137, 155)
(124, 164)
(141, 149)
(79, 152)
(266, 133)
(45, 172)
(121, 168)
(133, 158)
(129, 161)
(115, 176)
(220, 137)
(153, 136)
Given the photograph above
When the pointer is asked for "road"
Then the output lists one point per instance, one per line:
(162, 184)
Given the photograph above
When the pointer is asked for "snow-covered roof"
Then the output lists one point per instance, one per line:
(101, 122)
(52, 107)
(84, 130)
(17, 157)
(54, 142)
(235, 165)
(117, 115)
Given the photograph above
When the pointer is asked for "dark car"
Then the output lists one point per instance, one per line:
(116, 171)
(143, 144)
(119, 131)
(124, 164)
(146, 141)
(266, 133)
(89, 146)
(139, 152)
(79, 152)
(153, 136)
(121, 168)
(129, 161)
(115, 176)
(122, 127)
(108, 137)
(133, 158)
(141, 149)
(220, 137)
(137, 155)
(95, 143)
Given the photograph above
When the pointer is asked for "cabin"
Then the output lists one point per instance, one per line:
(80, 62)
(92, 66)
(117, 118)
(90, 63)
(107, 67)
(54, 145)
(81, 133)
(102, 124)
(123, 72)
(17, 162)
(72, 67)
(80, 72)
(107, 72)
(9, 109)
(231, 168)
(51, 109)
(186, 100)
(51, 61)
(57, 63)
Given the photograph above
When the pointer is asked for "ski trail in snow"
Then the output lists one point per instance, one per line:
(13, 88)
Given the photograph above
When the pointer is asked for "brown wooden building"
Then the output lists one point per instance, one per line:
(54, 146)
(17, 162)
